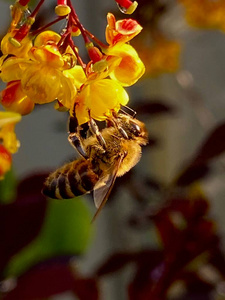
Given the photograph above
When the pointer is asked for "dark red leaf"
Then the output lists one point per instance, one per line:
(31, 185)
(192, 174)
(42, 282)
(86, 288)
(213, 145)
(196, 287)
(140, 287)
(115, 263)
(217, 259)
(51, 278)
(170, 234)
(151, 257)
(20, 222)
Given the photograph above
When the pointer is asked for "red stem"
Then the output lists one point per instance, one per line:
(35, 11)
(78, 24)
(97, 41)
(22, 32)
(83, 65)
(47, 25)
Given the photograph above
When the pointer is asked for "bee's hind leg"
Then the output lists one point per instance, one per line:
(75, 137)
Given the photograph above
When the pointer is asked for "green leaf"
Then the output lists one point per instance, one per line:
(8, 188)
(67, 230)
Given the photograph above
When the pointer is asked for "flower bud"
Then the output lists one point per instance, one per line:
(62, 10)
(127, 6)
(94, 53)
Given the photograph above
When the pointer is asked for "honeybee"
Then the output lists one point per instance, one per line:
(106, 154)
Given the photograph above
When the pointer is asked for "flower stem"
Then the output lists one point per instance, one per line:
(100, 43)
(35, 11)
(78, 24)
(23, 31)
(47, 25)
(82, 64)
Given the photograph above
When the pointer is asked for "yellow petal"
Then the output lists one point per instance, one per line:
(130, 68)
(13, 68)
(48, 54)
(121, 31)
(14, 99)
(45, 37)
(77, 75)
(7, 134)
(41, 83)
(101, 97)
(67, 92)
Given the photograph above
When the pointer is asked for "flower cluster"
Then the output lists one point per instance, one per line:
(101, 91)
(9, 143)
(205, 13)
(45, 66)
(41, 66)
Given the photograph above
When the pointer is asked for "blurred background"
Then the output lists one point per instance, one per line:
(161, 234)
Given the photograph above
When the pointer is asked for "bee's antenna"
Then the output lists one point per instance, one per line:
(128, 111)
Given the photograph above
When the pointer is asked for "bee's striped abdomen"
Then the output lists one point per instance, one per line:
(71, 180)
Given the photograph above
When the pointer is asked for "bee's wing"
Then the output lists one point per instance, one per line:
(104, 186)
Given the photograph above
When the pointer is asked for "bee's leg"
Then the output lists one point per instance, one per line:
(122, 132)
(75, 141)
(95, 130)
(75, 138)
(73, 124)
(119, 128)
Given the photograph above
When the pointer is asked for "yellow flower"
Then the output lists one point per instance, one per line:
(14, 99)
(43, 84)
(205, 13)
(121, 31)
(99, 98)
(9, 45)
(76, 75)
(13, 68)
(130, 68)
(9, 143)
(42, 76)
(20, 50)
(7, 134)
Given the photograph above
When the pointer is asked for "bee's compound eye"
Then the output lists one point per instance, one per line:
(135, 128)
